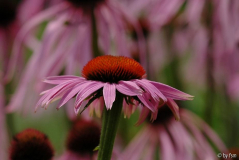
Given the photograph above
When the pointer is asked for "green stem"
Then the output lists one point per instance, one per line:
(109, 128)
(95, 48)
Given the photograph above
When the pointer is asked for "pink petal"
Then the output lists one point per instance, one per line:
(144, 99)
(129, 109)
(70, 94)
(180, 141)
(24, 31)
(200, 139)
(19, 95)
(136, 147)
(143, 115)
(155, 93)
(205, 128)
(61, 79)
(166, 145)
(55, 61)
(29, 8)
(59, 91)
(78, 107)
(171, 92)
(89, 88)
(128, 88)
(53, 32)
(174, 108)
(109, 94)
(183, 140)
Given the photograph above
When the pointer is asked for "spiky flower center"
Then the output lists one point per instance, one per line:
(31, 144)
(7, 13)
(83, 137)
(85, 4)
(112, 69)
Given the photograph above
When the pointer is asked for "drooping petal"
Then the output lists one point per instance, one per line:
(129, 109)
(89, 88)
(59, 90)
(174, 108)
(56, 92)
(155, 92)
(24, 31)
(200, 140)
(182, 140)
(70, 94)
(78, 107)
(128, 88)
(21, 90)
(205, 128)
(136, 147)
(143, 115)
(171, 92)
(97, 105)
(147, 102)
(56, 60)
(109, 94)
(154, 116)
(167, 146)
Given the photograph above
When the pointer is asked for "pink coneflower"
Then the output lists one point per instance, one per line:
(77, 32)
(82, 139)
(110, 77)
(186, 140)
(31, 144)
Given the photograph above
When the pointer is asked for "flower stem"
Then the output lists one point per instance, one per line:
(109, 128)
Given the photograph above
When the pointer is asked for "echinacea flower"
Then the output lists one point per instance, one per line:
(69, 40)
(31, 144)
(191, 138)
(82, 139)
(110, 77)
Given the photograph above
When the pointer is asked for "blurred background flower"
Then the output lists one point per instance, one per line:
(31, 144)
(166, 138)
